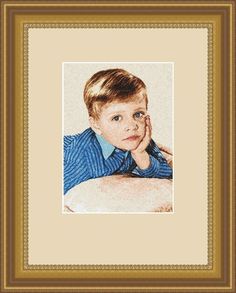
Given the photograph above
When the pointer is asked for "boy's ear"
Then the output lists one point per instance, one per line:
(94, 125)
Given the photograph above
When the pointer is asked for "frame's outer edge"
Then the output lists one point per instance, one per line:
(7, 160)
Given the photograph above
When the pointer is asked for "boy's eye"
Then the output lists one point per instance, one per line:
(116, 118)
(139, 115)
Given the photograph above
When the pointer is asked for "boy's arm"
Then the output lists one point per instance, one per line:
(67, 141)
(74, 173)
(75, 167)
(167, 153)
(150, 162)
(158, 167)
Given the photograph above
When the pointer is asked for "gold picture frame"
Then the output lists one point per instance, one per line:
(17, 17)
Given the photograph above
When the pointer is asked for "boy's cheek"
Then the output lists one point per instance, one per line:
(142, 129)
(142, 137)
(142, 123)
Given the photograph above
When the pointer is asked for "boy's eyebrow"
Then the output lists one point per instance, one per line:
(140, 108)
(120, 112)
(115, 112)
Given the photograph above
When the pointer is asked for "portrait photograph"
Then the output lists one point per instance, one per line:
(118, 154)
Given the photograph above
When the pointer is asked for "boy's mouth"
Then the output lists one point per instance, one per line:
(132, 138)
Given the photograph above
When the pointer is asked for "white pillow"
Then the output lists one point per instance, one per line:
(120, 193)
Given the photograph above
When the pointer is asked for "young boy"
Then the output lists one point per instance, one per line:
(119, 139)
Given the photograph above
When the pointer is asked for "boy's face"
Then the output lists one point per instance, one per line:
(123, 124)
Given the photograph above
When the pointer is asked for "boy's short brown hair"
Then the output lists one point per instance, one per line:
(112, 85)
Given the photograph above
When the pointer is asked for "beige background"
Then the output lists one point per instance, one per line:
(178, 238)
(158, 78)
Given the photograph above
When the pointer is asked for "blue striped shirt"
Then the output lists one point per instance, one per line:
(88, 156)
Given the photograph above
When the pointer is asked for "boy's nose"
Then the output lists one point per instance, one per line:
(131, 125)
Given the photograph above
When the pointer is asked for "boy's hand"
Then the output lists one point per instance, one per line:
(167, 153)
(147, 137)
(140, 155)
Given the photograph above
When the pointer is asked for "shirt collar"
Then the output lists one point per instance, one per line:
(107, 148)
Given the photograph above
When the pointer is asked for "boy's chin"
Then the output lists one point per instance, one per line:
(129, 147)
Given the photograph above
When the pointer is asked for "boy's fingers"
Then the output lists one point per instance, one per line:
(145, 141)
(149, 131)
(150, 124)
(148, 121)
(147, 136)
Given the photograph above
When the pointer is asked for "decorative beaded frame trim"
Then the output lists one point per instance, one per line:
(210, 106)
